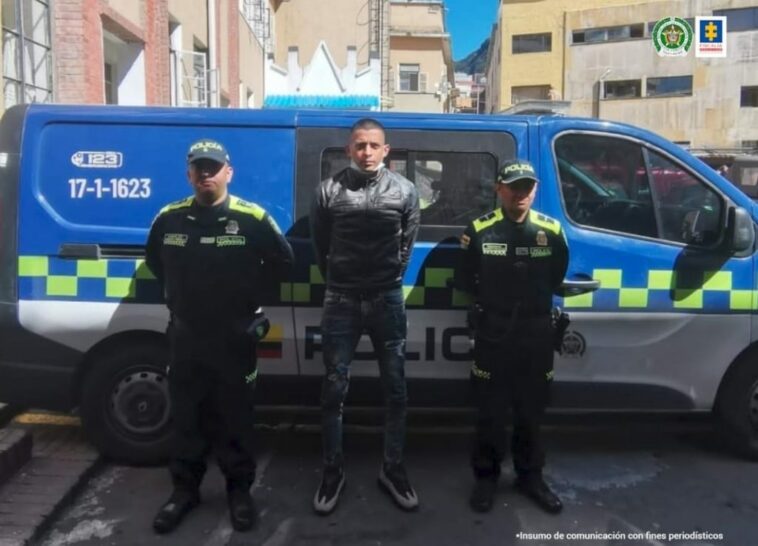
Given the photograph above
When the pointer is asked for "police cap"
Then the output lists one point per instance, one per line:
(207, 149)
(516, 169)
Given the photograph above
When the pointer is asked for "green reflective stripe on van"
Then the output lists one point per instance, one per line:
(59, 285)
(143, 272)
(86, 271)
(120, 288)
(684, 298)
(316, 277)
(32, 266)
(95, 269)
(660, 280)
(633, 297)
(437, 277)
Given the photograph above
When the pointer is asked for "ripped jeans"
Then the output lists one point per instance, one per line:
(346, 317)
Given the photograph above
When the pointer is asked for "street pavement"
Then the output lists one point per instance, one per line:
(624, 480)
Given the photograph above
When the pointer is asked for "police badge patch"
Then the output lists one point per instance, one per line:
(465, 240)
(541, 238)
(232, 227)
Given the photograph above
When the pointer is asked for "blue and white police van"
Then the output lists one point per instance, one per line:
(670, 243)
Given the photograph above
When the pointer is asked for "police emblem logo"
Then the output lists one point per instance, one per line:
(541, 238)
(232, 227)
(672, 37)
(465, 240)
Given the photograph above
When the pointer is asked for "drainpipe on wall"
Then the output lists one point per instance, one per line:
(213, 79)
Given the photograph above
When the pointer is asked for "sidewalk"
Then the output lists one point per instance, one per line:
(60, 460)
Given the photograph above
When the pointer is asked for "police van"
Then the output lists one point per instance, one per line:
(668, 243)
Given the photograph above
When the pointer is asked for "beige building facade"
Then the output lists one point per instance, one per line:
(601, 59)
(409, 38)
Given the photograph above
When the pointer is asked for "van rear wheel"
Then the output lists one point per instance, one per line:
(125, 405)
(737, 405)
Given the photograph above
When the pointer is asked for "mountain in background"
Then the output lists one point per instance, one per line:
(476, 62)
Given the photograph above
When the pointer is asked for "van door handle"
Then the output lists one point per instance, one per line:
(578, 287)
(91, 251)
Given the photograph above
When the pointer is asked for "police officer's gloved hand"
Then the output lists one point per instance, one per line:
(259, 326)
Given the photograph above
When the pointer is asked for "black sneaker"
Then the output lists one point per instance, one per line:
(332, 483)
(536, 489)
(242, 512)
(395, 481)
(483, 495)
(173, 511)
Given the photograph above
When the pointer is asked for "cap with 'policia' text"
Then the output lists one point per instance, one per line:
(207, 149)
(516, 169)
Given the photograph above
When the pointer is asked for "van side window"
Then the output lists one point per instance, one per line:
(454, 187)
(615, 184)
(681, 199)
(604, 184)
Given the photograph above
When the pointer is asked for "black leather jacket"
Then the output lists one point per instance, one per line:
(363, 229)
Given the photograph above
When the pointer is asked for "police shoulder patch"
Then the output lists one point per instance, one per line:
(246, 207)
(177, 205)
(488, 220)
(545, 222)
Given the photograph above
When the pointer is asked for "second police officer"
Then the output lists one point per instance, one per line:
(514, 259)
(214, 255)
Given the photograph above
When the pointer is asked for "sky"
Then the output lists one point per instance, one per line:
(469, 23)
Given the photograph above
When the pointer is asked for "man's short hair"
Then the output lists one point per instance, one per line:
(368, 124)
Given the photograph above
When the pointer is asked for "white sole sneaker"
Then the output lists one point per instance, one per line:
(406, 503)
(324, 506)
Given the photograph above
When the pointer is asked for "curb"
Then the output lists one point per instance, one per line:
(61, 463)
(15, 451)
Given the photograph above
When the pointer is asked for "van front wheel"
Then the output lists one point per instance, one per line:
(125, 405)
(737, 405)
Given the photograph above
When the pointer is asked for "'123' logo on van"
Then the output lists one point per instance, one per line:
(102, 160)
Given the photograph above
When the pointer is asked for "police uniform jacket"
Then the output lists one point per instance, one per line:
(214, 262)
(507, 265)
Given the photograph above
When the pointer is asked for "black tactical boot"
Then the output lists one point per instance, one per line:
(242, 511)
(483, 494)
(536, 489)
(171, 514)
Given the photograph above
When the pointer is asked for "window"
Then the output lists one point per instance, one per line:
(454, 188)
(614, 184)
(27, 62)
(608, 34)
(532, 43)
(739, 19)
(749, 96)
(110, 90)
(669, 86)
(411, 79)
(523, 93)
(621, 89)
(688, 210)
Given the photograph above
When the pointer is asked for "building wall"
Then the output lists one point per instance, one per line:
(533, 17)
(304, 23)
(710, 117)
(133, 10)
(251, 67)
(417, 16)
(428, 54)
(192, 14)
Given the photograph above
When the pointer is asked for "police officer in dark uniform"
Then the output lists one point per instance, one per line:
(514, 260)
(213, 254)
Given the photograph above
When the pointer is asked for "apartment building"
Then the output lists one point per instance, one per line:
(376, 54)
(136, 52)
(601, 59)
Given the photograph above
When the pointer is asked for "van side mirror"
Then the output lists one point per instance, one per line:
(740, 231)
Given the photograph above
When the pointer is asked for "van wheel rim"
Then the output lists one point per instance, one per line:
(140, 402)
